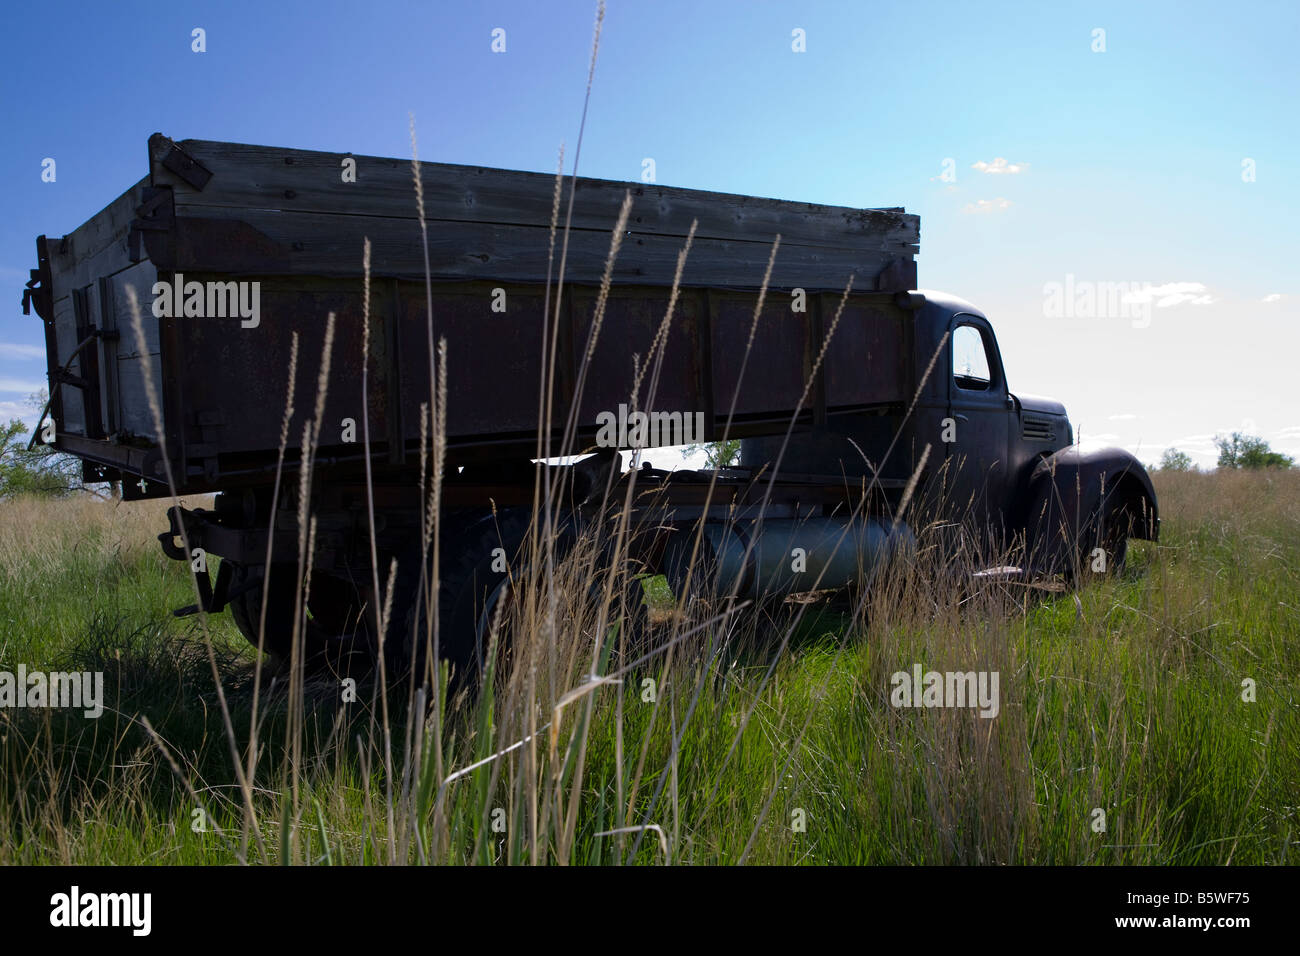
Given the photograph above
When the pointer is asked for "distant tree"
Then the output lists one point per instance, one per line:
(40, 471)
(1248, 451)
(1175, 460)
(717, 454)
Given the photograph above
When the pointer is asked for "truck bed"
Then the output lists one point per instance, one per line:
(288, 220)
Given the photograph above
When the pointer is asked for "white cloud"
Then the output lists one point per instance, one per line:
(1000, 166)
(1170, 294)
(14, 350)
(1127, 416)
(21, 410)
(1179, 298)
(18, 385)
(1273, 297)
(987, 205)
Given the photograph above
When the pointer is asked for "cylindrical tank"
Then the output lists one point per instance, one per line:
(792, 555)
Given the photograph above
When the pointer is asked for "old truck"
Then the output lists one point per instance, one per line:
(233, 248)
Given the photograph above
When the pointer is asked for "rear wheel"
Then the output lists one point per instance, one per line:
(334, 621)
(484, 558)
(479, 566)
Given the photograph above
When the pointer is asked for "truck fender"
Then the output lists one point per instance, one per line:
(1069, 492)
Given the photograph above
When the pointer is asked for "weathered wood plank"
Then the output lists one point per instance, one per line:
(299, 229)
(65, 331)
(265, 177)
(97, 247)
(133, 413)
(270, 242)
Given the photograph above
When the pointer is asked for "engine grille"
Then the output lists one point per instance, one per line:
(1037, 429)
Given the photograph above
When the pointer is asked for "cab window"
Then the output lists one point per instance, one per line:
(970, 363)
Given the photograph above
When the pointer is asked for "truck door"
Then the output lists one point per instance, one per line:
(980, 409)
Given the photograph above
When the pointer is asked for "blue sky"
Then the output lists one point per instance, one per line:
(1122, 166)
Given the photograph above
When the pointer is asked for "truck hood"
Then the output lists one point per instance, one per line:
(1037, 403)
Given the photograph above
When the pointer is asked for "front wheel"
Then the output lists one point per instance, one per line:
(1103, 547)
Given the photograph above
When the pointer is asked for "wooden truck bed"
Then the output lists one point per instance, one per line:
(292, 222)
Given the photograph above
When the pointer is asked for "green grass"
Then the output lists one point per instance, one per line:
(1129, 701)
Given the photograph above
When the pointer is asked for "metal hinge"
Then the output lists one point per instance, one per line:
(157, 213)
(186, 167)
(39, 289)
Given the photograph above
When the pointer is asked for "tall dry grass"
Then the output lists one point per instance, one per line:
(37, 533)
(1128, 701)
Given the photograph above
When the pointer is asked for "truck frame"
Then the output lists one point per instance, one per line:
(849, 404)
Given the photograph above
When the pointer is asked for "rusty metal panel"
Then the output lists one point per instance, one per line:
(234, 379)
(631, 323)
(779, 361)
(494, 359)
(866, 362)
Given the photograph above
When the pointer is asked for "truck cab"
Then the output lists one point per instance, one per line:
(1002, 464)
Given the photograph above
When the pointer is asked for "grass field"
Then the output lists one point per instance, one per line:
(1126, 702)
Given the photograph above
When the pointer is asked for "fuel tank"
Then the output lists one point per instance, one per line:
(787, 555)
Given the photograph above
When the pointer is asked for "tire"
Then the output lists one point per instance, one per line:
(1107, 529)
(246, 607)
(332, 622)
(474, 579)
(1117, 527)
